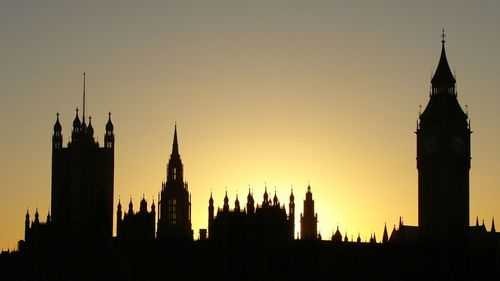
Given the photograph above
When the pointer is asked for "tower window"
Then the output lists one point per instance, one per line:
(172, 211)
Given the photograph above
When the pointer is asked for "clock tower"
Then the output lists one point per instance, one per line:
(443, 161)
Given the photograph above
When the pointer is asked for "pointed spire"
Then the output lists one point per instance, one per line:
(76, 121)
(36, 217)
(237, 204)
(266, 196)
(385, 237)
(143, 206)
(211, 200)
(249, 196)
(109, 125)
(175, 145)
(26, 224)
(109, 137)
(443, 80)
(90, 129)
(308, 193)
(130, 207)
(57, 136)
(337, 237)
(493, 229)
(226, 203)
(57, 125)
(477, 221)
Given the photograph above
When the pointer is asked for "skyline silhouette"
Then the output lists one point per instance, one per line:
(319, 93)
(258, 240)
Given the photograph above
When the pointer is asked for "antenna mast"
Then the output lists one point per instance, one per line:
(83, 117)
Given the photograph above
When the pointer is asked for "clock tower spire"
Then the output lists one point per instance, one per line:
(443, 161)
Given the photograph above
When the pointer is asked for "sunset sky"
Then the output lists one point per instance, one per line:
(281, 93)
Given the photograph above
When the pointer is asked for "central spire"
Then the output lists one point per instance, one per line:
(175, 145)
(174, 167)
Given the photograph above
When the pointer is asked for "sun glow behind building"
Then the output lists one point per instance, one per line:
(276, 93)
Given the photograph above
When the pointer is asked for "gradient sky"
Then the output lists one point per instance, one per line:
(276, 92)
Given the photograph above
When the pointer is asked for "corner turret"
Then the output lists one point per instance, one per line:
(250, 203)
(225, 208)
(109, 137)
(77, 127)
(237, 204)
(57, 138)
(385, 237)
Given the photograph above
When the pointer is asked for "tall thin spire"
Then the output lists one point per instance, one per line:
(175, 145)
(83, 116)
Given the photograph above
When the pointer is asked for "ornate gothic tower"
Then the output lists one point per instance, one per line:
(82, 182)
(443, 161)
(309, 220)
(174, 222)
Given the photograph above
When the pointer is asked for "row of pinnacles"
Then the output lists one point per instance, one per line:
(265, 223)
(136, 227)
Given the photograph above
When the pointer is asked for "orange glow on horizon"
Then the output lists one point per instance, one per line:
(279, 93)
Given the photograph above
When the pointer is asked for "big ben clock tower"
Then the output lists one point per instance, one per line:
(443, 162)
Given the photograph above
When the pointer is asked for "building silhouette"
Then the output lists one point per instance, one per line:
(82, 187)
(174, 221)
(136, 227)
(265, 224)
(255, 242)
(309, 220)
(82, 182)
(443, 161)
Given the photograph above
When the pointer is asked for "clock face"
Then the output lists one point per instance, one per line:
(430, 144)
(457, 144)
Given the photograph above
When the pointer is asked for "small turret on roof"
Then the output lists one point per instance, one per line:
(385, 237)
